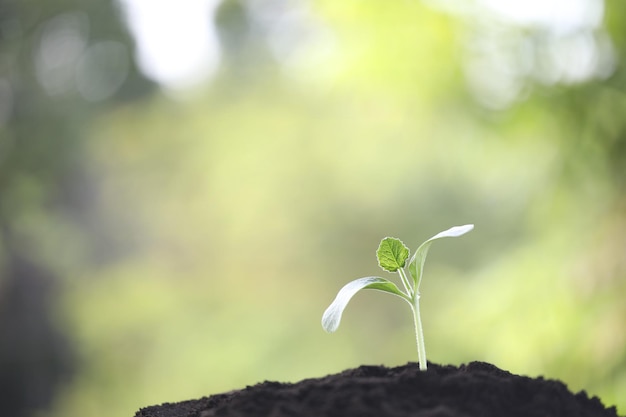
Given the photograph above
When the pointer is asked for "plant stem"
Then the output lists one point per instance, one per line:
(419, 333)
(406, 282)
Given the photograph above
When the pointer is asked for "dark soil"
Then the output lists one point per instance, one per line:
(474, 390)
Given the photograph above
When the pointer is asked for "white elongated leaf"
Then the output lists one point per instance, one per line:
(455, 231)
(416, 264)
(332, 315)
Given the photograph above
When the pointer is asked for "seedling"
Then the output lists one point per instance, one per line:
(392, 256)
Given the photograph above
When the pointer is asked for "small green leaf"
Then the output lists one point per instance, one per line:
(332, 315)
(392, 254)
(416, 264)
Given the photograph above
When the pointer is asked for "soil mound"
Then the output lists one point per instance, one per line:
(477, 389)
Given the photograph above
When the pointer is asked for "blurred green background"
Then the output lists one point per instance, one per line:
(165, 237)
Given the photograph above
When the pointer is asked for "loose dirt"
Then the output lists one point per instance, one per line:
(477, 389)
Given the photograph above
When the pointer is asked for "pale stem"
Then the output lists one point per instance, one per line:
(419, 333)
(405, 282)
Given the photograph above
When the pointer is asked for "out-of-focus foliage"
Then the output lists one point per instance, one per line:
(193, 244)
(60, 64)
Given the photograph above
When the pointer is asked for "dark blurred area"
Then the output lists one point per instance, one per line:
(35, 354)
(61, 62)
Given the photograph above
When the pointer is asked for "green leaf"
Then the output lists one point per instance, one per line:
(332, 315)
(392, 254)
(416, 264)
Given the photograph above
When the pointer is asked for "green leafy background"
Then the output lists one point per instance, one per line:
(196, 241)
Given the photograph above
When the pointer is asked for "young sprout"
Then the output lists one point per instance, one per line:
(392, 256)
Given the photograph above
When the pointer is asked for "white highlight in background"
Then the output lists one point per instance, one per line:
(177, 43)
